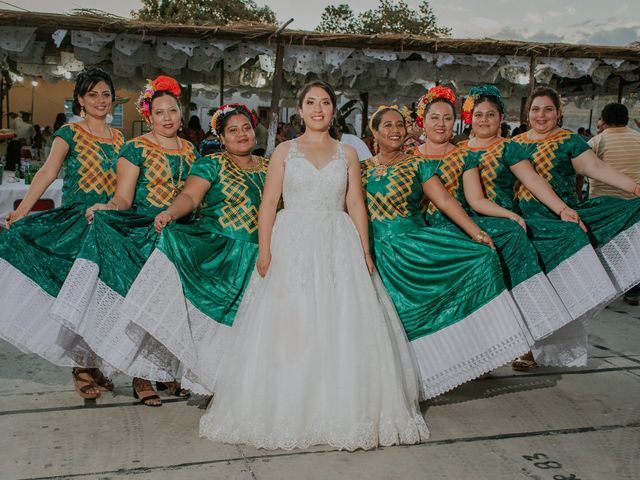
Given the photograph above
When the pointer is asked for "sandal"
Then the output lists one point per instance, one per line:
(173, 388)
(84, 384)
(143, 391)
(525, 363)
(104, 383)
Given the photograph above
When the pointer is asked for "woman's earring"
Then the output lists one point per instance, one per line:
(82, 112)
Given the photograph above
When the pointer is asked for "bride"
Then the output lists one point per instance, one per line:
(318, 354)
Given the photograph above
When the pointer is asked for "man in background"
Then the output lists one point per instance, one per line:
(23, 128)
(619, 146)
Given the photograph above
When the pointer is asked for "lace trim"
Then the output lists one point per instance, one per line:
(540, 305)
(160, 314)
(565, 348)
(488, 338)
(91, 311)
(621, 258)
(366, 434)
(25, 321)
(582, 283)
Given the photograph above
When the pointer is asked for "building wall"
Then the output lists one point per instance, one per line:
(48, 101)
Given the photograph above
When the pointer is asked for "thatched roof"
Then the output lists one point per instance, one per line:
(48, 23)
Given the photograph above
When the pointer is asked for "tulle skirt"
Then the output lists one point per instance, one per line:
(318, 354)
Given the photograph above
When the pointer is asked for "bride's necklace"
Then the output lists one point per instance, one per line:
(381, 168)
(175, 186)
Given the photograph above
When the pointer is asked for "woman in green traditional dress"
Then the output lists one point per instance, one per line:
(188, 292)
(539, 304)
(613, 224)
(502, 163)
(37, 251)
(448, 290)
(151, 171)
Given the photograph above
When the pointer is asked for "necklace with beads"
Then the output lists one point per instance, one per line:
(381, 168)
(175, 186)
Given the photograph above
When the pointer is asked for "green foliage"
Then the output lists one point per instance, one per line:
(390, 16)
(338, 18)
(201, 12)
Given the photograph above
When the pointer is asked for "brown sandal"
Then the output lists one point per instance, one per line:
(84, 384)
(103, 382)
(143, 391)
(525, 363)
(173, 388)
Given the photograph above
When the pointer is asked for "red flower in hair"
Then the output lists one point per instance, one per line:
(166, 83)
(161, 83)
(432, 94)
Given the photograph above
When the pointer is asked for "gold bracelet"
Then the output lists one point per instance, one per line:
(114, 204)
(481, 235)
(563, 209)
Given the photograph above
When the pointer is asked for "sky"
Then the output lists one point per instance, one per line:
(596, 22)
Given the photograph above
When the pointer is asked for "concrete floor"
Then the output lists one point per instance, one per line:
(554, 424)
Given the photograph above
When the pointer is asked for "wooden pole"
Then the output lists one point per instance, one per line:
(186, 104)
(532, 76)
(276, 90)
(620, 88)
(532, 86)
(364, 97)
(1, 99)
(8, 108)
(222, 82)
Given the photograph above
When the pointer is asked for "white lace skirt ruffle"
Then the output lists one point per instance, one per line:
(582, 283)
(566, 347)
(540, 305)
(90, 310)
(488, 338)
(25, 321)
(317, 353)
(157, 308)
(621, 258)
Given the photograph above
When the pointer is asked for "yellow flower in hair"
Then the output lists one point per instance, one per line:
(467, 108)
(406, 113)
(469, 103)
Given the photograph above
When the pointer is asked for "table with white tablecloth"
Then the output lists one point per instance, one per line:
(10, 191)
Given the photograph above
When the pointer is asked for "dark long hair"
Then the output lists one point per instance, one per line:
(86, 80)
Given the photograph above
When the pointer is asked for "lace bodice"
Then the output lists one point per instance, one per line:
(306, 188)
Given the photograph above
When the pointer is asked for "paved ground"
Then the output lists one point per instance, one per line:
(553, 424)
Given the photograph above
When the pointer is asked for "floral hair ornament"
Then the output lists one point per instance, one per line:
(478, 92)
(161, 83)
(229, 109)
(435, 93)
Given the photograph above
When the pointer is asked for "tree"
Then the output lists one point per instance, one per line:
(199, 12)
(339, 19)
(390, 16)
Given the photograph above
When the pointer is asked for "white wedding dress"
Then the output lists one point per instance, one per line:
(318, 354)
